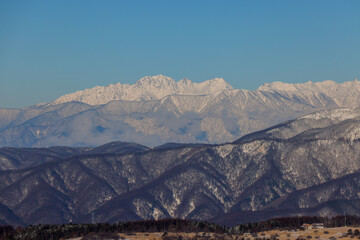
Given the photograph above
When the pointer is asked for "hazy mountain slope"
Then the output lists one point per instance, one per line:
(118, 147)
(7, 116)
(44, 112)
(17, 158)
(315, 122)
(198, 181)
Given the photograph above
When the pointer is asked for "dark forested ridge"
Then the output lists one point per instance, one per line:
(20, 158)
(308, 166)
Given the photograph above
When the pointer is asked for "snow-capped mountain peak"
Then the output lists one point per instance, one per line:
(147, 88)
(158, 80)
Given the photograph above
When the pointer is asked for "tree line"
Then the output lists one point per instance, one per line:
(61, 231)
(57, 231)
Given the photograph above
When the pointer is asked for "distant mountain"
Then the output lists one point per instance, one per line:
(343, 94)
(156, 110)
(18, 158)
(307, 165)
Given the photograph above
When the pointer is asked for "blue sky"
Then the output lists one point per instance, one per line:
(50, 48)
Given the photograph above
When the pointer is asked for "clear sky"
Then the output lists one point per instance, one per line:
(50, 48)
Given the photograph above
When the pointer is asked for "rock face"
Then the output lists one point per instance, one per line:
(156, 110)
(307, 165)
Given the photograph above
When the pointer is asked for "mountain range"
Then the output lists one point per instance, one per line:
(147, 88)
(156, 110)
(166, 149)
(309, 165)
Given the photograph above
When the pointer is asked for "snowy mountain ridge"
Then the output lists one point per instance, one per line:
(324, 86)
(343, 94)
(160, 86)
(147, 88)
(341, 114)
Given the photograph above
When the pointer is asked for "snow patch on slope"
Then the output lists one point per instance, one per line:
(224, 150)
(353, 135)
